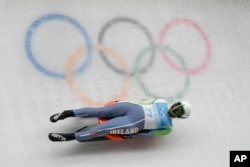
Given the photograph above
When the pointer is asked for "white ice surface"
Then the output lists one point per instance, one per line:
(219, 94)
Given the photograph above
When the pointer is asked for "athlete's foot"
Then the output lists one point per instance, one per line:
(61, 136)
(61, 116)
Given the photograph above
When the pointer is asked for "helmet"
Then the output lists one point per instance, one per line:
(181, 109)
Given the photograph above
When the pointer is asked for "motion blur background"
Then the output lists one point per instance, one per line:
(63, 54)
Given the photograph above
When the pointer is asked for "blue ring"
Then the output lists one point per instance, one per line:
(49, 17)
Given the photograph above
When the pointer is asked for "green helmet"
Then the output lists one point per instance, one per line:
(181, 109)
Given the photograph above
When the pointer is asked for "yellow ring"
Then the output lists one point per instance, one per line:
(74, 88)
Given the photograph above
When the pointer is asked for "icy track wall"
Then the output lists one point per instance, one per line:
(128, 51)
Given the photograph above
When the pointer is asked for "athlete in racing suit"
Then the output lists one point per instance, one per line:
(129, 119)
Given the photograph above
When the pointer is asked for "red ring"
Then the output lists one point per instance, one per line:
(200, 31)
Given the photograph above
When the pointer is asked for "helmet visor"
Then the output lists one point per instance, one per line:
(177, 110)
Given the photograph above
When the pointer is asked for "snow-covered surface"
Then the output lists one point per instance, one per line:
(210, 39)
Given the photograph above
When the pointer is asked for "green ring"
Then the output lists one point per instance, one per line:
(149, 93)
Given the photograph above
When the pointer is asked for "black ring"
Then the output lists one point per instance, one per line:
(140, 26)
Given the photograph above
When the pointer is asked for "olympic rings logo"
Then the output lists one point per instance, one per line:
(106, 51)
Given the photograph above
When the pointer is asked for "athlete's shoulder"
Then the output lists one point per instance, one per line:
(143, 101)
(147, 101)
(161, 104)
(160, 101)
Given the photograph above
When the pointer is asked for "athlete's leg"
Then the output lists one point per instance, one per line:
(109, 111)
(121, 125)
